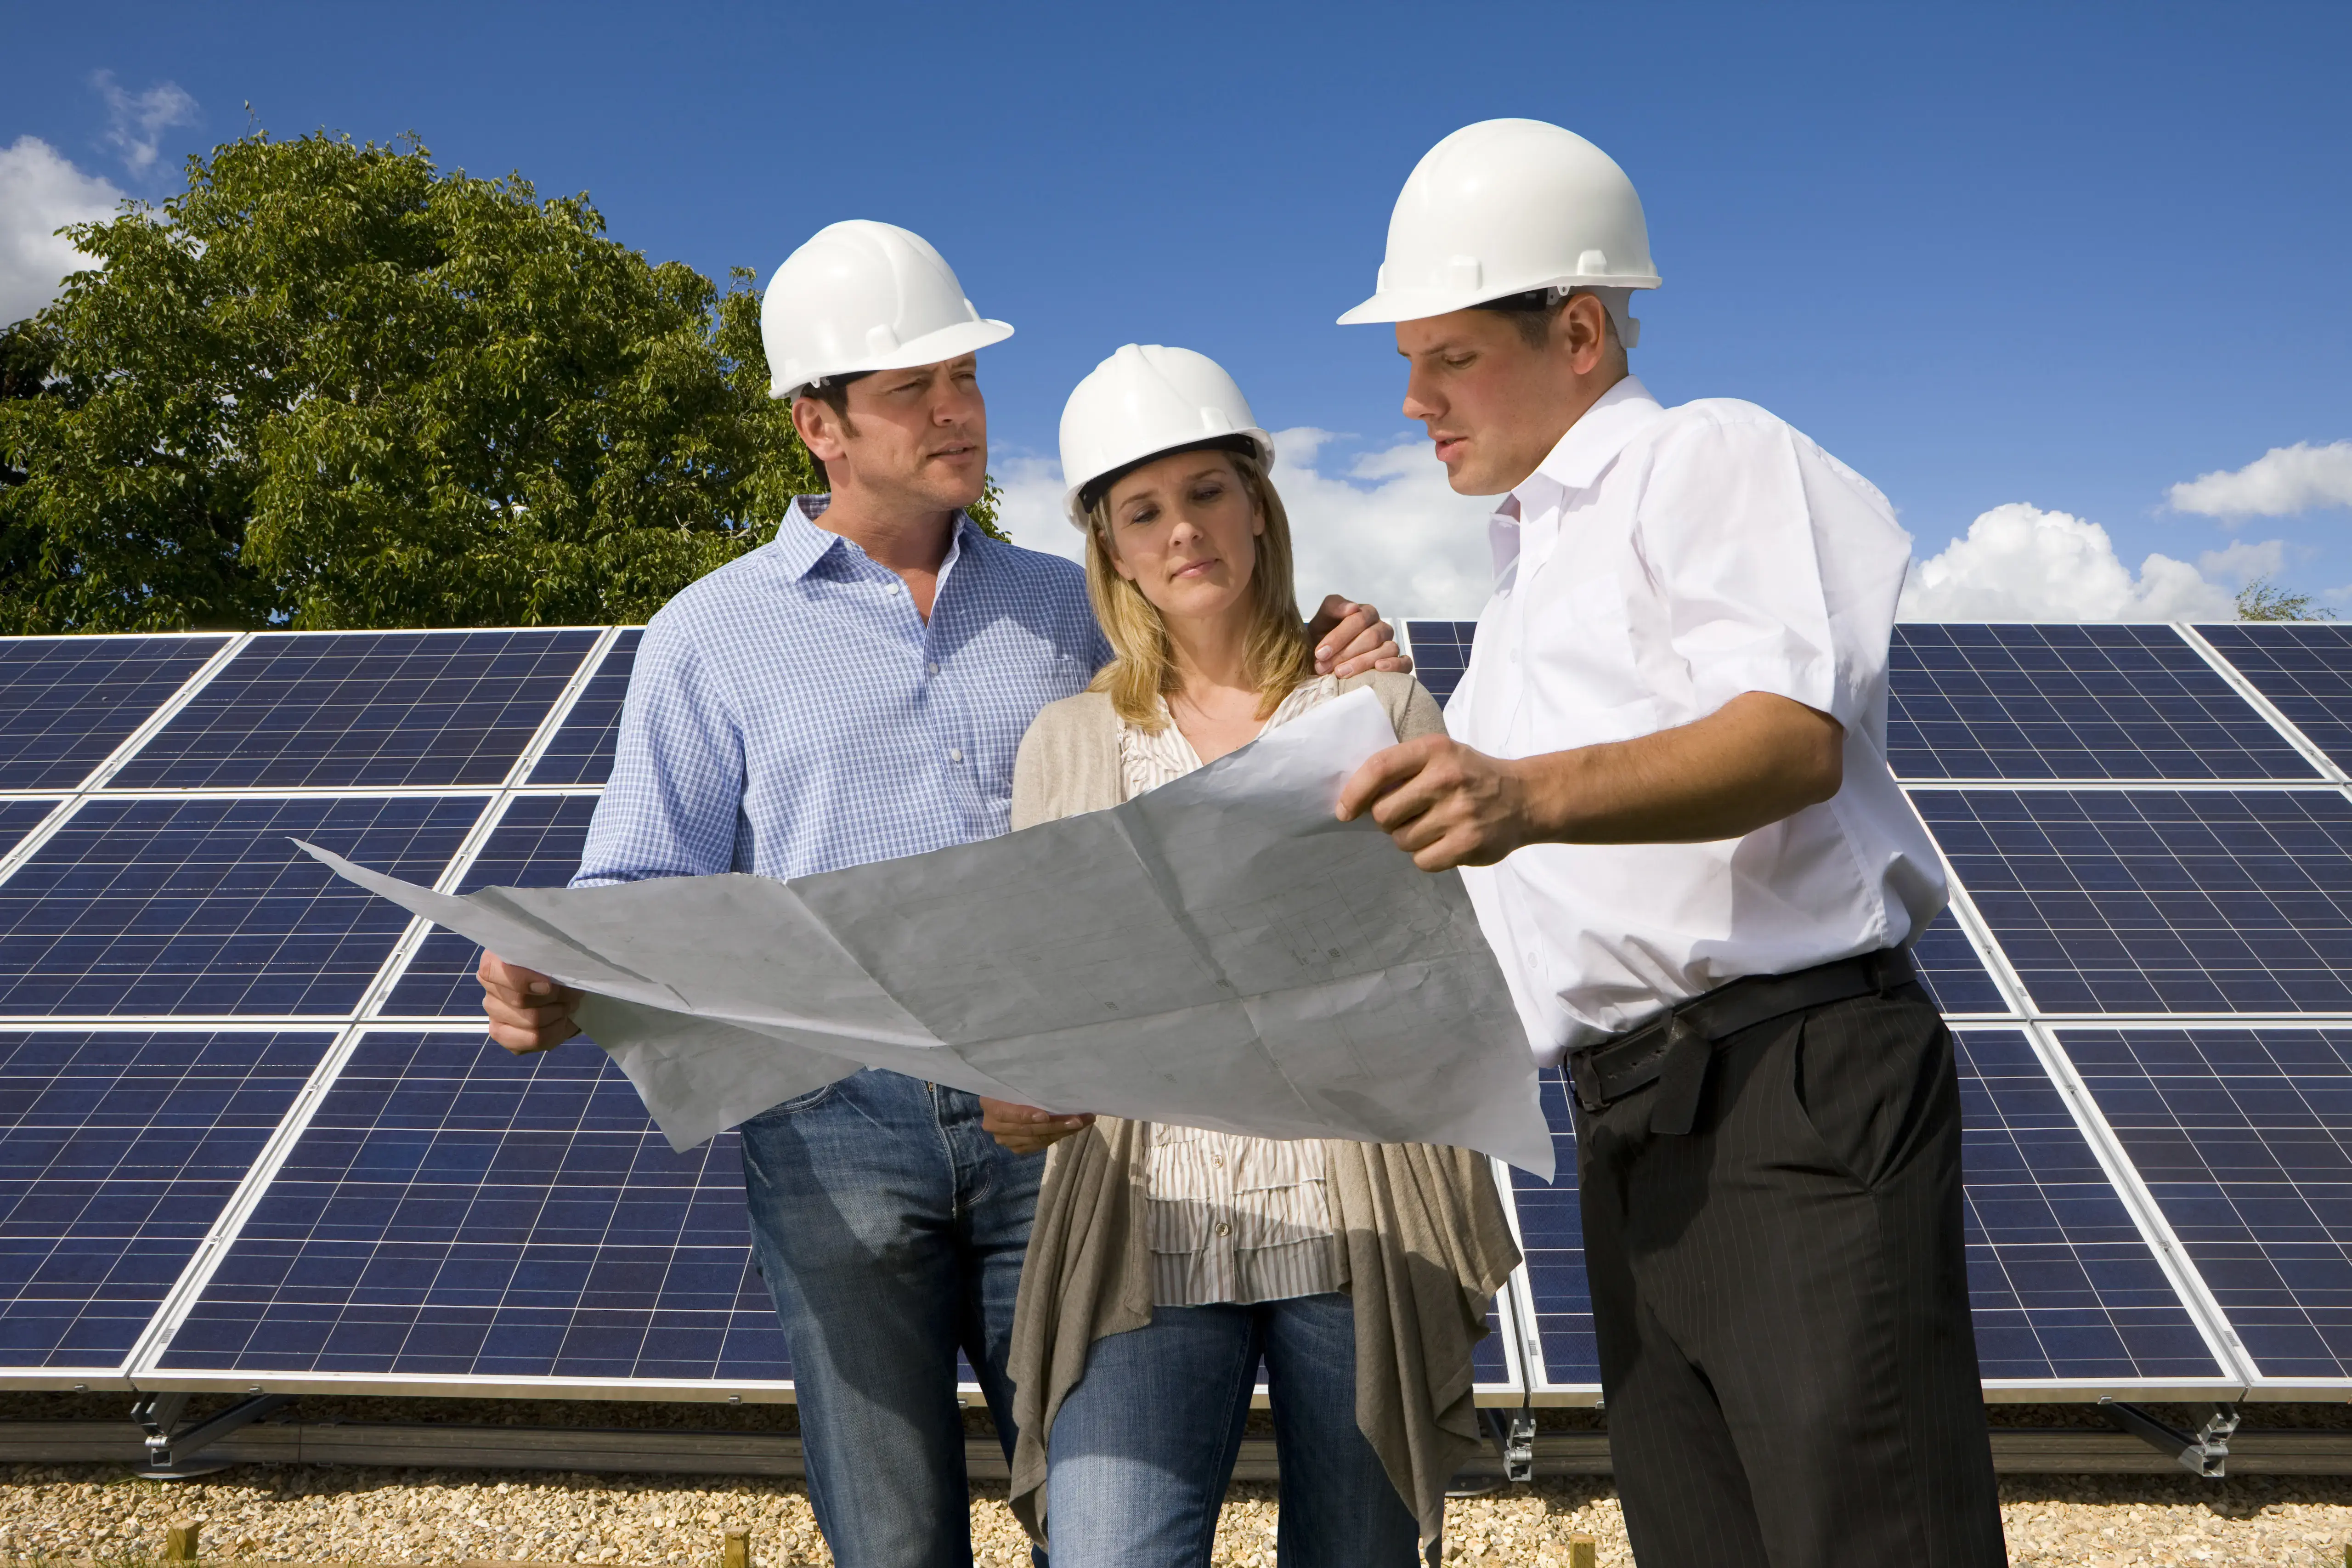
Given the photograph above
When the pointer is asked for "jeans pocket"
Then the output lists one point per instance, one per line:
(808, 1101)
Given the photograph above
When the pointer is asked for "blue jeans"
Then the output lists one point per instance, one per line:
(1143, 1446)
(890, 1230)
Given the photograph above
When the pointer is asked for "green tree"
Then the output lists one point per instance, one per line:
(332, 385)
(2261, 600)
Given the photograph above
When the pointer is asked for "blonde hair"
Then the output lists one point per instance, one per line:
(1142, 669)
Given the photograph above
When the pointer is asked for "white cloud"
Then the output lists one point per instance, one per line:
(1385, 528)
(2021, 564)
(2281, 483)
(41, 192)
(2242, 562)
(136, 121)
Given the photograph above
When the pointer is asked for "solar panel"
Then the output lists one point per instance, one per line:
(454, 1212)
(2245, 1139)
(582, 750)
(118, 1152)
(2061, 1283)
(2045, 701)
(2161, 901)
(363, 710)
(453, 1219)
(1948, 967)
(2063, 1286)
(535, 844)
(2305, 671)
(204, 906)
(67, 702)
(1440, 652)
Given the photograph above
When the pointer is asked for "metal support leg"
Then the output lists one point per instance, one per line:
(170, 1448)
(1515, 1442)
(2206, 1454)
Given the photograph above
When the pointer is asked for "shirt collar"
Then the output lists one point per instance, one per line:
(799, 543)
(1594, 442)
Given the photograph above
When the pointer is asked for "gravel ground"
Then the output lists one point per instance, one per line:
(321, 1514)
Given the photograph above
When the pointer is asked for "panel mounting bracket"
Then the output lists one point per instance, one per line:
(1515, 1442)
(1513, 1432)
(2207, 1453)
(170, 1448)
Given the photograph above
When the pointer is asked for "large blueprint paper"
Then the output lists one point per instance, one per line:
(1219, 953)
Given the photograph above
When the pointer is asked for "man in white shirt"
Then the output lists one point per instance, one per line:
(1666, 783)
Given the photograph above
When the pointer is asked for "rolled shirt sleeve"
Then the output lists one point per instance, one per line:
(1785, 565)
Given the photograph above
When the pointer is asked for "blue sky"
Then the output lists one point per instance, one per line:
(2065, 256)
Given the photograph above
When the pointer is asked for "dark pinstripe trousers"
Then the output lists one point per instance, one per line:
(1781, 1303)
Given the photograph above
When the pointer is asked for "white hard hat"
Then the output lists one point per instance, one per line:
(862, 295)
(1503, 207)
(1144, 400)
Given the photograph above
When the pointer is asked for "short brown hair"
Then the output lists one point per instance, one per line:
(832, 391)
(1532, 312)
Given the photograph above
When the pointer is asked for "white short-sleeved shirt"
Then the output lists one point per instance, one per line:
(1658, 563)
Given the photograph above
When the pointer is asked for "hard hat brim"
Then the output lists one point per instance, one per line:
(1419, 304)
(932, 348)
(1257, 437)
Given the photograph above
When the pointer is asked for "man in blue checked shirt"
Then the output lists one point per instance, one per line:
(854, 690)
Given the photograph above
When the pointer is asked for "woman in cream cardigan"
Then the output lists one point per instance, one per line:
(1166, 1262)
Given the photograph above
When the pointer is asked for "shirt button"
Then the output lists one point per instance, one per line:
(955, 753)
(933, 666)
(1224, 1230)
(1217, 1159)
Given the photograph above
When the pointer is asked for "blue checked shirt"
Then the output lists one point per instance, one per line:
(791, 713)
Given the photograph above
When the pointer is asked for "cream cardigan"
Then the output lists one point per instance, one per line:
(1423, 1243)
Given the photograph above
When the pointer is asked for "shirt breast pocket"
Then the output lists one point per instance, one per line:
(1584, 684)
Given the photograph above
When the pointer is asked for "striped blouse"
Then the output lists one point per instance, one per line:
(1231, 1218)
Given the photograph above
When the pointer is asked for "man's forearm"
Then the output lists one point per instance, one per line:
(1755, 760)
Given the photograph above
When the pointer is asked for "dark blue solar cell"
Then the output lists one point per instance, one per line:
(581, 749)
(454, 1211)
(1440, 652)
(1948, 966)
(355, 710)
(1551, 1234)
(2160, 901)
(67, 702)
(2062, 1284)
(1490, 1365)
(197, 906)
(535, 844)
(117, 1153)
(19, 817)
(2305, 671)
(2244, 1138)
(2067, 701)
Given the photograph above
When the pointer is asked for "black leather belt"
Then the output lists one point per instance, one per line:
(1676, 1045)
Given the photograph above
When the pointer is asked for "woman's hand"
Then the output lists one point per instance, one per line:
(1024, 1129)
